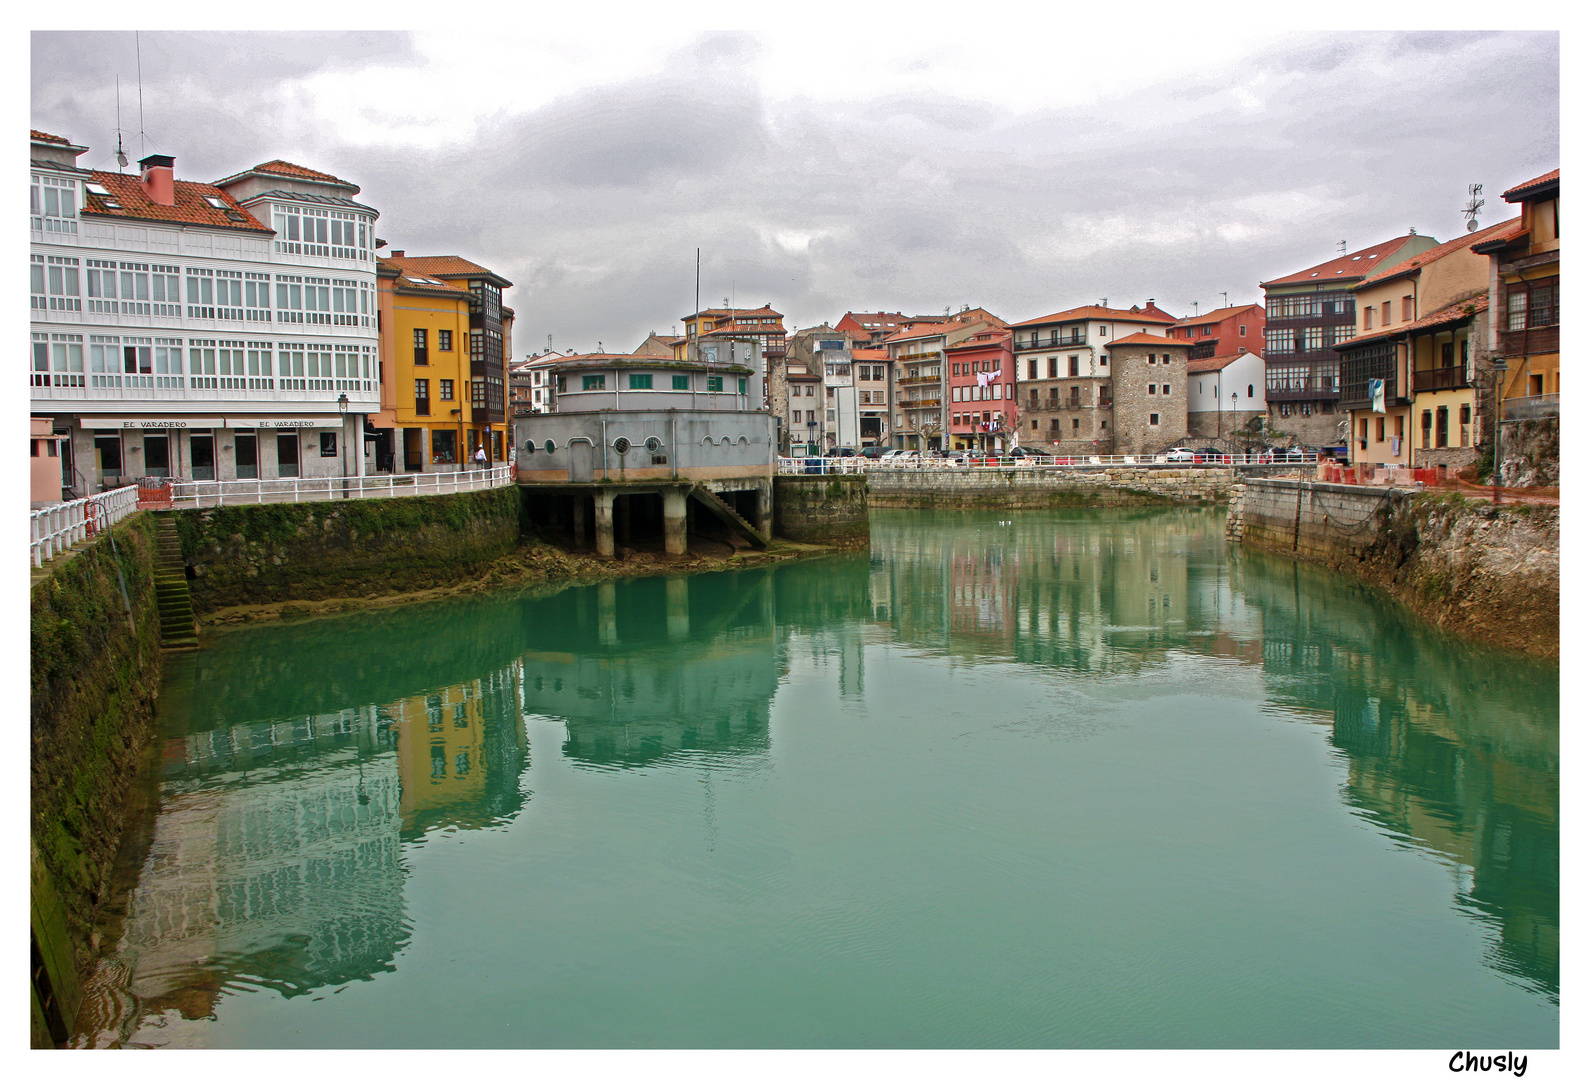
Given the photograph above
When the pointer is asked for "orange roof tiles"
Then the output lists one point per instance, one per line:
(714, 313)
(1093, 311)
(1350, 267)
(1216, 315)
(287, 168)
(1214, 363)
(1408, 266)
(869, 354)
(436, 265)
(189, 204)
(46, 137)
(1512, 194)
(1147, 339)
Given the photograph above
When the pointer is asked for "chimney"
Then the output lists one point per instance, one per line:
(396, 254)
(157, 178)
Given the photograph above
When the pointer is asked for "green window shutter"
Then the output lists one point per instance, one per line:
(742, 386)
(715, 384)
(595, 382)
(681, 382)
(640, 382)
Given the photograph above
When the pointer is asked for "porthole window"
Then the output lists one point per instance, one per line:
(549, 446)
(654, 444)
(621, 444)
(529, 447)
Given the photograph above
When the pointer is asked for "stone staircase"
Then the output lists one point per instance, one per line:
(178, 628)
(726, 514)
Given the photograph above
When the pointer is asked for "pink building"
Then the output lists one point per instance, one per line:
(1227, 331)
(982, 385)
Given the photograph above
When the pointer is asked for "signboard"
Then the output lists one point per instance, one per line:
(285, 422)
(141, 423)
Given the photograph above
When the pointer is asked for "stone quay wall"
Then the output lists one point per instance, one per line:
(822, 509)
(95, 674)
(1035, 489)
(1488, 573)
(343, 548)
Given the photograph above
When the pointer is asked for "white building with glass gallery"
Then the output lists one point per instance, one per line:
(175, 333)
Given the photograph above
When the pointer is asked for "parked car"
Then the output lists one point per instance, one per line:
(1180, 453)
(1210, 455)
(874, 451)
(1037, 457)
(843, 451)
(1296, 453)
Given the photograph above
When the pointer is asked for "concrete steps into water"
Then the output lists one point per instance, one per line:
(178, 628)
(726, 514)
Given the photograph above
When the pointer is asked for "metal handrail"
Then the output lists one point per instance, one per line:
(197, 493)
(56, 528)
(1061, 463)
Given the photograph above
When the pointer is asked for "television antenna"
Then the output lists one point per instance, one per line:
(121, 155)
(1341, 247)
(1472, 210)
(1225, 299)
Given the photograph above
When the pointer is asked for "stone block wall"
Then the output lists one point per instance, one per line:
(1322, 522)
(358, 547)
(1031, 489)
(1211, 425)
(1135, 406)
(822, 509)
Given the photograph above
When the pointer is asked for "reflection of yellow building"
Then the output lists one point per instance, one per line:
(442, 756)
(445, 337)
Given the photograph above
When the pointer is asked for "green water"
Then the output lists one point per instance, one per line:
(1069, 779)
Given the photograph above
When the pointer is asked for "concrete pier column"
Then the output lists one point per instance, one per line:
(604, 524)
(607, 613)
(674, 511)
(678, 608)
(579, 519)
(764, 508)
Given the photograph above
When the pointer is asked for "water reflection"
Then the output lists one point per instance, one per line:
(304, 762)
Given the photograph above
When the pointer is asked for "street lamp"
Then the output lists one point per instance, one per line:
(1233, 422)
(342, 410)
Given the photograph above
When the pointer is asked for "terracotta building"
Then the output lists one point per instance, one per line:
(982, 392)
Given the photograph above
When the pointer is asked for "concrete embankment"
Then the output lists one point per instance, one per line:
(95, 670)
(1039, 489)
(822, 509)
(1488, 573)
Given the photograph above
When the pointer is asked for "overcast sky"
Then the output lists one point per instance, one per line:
(879, 168)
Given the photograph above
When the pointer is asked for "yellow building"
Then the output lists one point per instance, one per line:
(445, 338)
(1526, 266)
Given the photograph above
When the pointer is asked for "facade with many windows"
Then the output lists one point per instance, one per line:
(1525, 294)
(1306, 315)
(201, 331)
(444, 370)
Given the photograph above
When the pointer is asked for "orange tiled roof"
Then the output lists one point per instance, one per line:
(1472, 304)
(287, 168)
(1349, 267)
(718, 313)
(999, 339)
(869, 354)
(1214, 363)
(189, 205)
(1523, 189)
(436, 265)
(1148, 339)
(42, 136)
(1408, 266)
(1217, 315)
(1093, 311)
(411, 278)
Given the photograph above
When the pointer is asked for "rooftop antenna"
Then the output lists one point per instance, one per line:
(549, 343)
(139, 52)
(1225, 299)
(1195, 309)
(1341, 247)
(1104, 301)
(121, 155)
(1472, 210)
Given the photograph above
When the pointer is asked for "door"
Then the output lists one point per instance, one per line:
(201, 448)
(383, 450)
(108, 449)
(582, 461)
(287, 454)
(247, 456)
(413, 450)
(157, 456)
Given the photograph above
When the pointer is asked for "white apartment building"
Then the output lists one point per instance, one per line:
(202, 331)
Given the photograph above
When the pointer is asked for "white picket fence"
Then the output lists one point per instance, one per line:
(195, 493)
(56, 528)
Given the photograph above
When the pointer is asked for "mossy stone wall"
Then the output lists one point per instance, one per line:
(94, 677)
(822, 509)
(358, 547)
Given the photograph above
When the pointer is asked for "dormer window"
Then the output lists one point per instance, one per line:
(216, 201)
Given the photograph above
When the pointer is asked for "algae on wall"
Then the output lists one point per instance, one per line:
(358, 547)
(94, 679)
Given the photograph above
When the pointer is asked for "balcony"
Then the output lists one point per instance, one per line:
(1452, 378)
(1062, 343)
(1530, 408)
(1532, 342)
(920, 380)
(926, 403)
(1313, 392)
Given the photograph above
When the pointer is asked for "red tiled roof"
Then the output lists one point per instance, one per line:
(189, 205)
(714, 313)
(1512, 194)
(45, 137)
(1408, 266)
(1147, 339)
(999, 339)
(437, 265)
(1214, 363)
(1472, 304)
(1349, 267)
(287, 168)
(410, 278)
(869, 354)
(1093, 311)
(1217, 315)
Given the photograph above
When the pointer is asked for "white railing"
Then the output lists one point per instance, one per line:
(824, 466)
(56, 528)
(196, 493)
